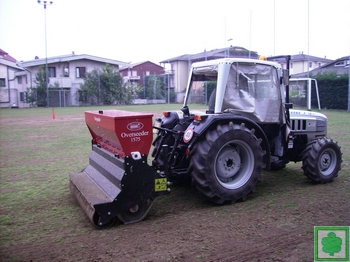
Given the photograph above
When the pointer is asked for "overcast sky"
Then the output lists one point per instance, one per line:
(156, 30)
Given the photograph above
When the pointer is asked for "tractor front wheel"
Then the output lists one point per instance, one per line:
(227, 164)
(322, 160)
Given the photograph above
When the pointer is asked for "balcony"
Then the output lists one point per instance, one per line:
(62, 81)
(131, 78)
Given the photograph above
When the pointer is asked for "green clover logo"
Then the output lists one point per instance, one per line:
(331, 244)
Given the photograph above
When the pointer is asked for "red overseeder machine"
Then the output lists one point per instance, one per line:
(118, 182)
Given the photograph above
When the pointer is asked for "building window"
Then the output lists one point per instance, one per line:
(134, 73)
(148, 73)
(23, 96)
(291, 65)
(341, 63)
(66, 72)
(310, 64)
(52, 71)
(19, 80)
(82, 96)
(80, 72)
(172, 81)
(2, 82)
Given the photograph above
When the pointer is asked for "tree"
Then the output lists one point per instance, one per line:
(140, 92)
(104, 87)
(88, 91)
(41, 92)
(154, 87)
(31, 95)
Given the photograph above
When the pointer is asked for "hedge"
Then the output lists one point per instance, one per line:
(333, 90)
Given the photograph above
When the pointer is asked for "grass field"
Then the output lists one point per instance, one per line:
(41, 221)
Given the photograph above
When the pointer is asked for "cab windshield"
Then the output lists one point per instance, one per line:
(249, 89)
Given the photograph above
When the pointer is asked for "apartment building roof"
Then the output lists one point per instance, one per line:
(340, 66)
(305, 58)
(4, 55)
(72, 57)
(139, 64)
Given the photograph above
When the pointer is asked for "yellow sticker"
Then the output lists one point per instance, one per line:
(160, 184)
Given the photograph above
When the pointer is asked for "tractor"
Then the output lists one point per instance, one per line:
(248, 126)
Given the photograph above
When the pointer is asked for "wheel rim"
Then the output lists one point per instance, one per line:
(327, 162)
(234, 164)
(106, 225)
(136, 213)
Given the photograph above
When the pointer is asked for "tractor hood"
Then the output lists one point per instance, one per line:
(307, 121)
(303, 114)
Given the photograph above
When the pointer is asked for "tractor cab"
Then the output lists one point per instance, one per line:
(246, 87)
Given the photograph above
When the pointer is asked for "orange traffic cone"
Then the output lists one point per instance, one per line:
(53, 115)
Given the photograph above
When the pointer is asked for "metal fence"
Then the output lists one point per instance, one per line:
(57, 98)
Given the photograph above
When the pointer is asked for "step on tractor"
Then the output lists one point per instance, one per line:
(249, 126)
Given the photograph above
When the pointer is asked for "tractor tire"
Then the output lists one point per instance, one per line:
(227, 164)
(322, 160)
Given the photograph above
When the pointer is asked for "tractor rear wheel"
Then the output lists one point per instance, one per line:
(322, 160)
(227, 164)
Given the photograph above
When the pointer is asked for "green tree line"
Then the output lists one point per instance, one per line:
(104, 87)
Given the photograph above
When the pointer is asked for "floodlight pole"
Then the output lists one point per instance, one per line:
(228, 49)
(44, 3)
(349, 85)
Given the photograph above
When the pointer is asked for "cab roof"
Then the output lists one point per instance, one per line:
(234, 60)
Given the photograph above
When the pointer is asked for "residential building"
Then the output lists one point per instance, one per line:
(66, 74)
(135, 73)
(303, 63)
(178, 67)
(340, 66)
(13, 82)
